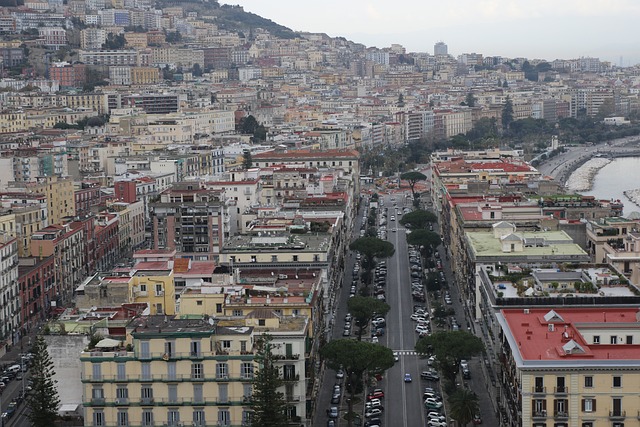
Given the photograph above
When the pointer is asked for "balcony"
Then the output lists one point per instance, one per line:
(539, 415)
(561, 390)
(561, 415)
(617, 415)
(146, 401)
(539, 390)
(97, 401)
(121, 401)
(291, 377)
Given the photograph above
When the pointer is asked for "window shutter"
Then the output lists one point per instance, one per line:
(583, 404)
(593, 404)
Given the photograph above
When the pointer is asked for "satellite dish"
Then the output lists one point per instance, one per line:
(211, 322)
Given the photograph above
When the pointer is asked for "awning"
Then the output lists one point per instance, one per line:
(108, 343)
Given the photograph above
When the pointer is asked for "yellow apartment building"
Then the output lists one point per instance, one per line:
(570, 366)
(58, 191)
(195, 372)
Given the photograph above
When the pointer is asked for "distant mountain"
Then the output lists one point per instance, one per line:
(231, 18)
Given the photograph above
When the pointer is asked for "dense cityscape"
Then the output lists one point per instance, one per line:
(209, 219)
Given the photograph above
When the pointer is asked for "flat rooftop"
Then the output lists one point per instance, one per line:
(557, 244)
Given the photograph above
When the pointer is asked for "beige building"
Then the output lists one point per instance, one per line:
(570, 366)
(59, 194)
(185, 371)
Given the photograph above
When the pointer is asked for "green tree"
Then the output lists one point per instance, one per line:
(371, 248)
(425, 238)
(173, 37)
(268, 404)
(260, 134)
(463, 405)
(412, 178)
(356, 358)
(418, 218)
(450, 347)
(114, 41)
(247, 161)
(43, 401)
(364, 308)
(196, 70)
(507, 113)
(470, 100)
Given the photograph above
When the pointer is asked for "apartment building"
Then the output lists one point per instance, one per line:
(58, 191)
(570, 366)
(190, 220)
(9, 293)
(183, 371)
(36, 280)
(67, 245)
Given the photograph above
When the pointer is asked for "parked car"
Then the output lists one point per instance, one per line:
(332, 412)
(430, 375)
(431, 403)
(476, 419)
(373, 412)
(376, 394)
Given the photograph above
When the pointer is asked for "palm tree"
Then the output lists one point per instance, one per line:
(464, 405)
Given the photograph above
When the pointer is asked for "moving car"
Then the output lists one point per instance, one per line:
(476, 419)
(407, 378)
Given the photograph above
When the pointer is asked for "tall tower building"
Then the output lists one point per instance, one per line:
(440, 48)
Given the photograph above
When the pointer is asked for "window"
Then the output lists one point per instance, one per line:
(561, 406)
(629, 339)
(289, 372)
(172, 392)
(96, 371)
(236, 313)
(617, 381)
(617, 407)
(223, 393)
(170, 348)
(560, 387)
(596, 339)
(539, 385)
(195, 348)
(540, 408)
(247, 391)
(121, 371)
(146, 394)
(224, 417)
(145, 370)
(144, 350)
(147, 417)
(246, 370)
(261, 322)
(295, 258)
(159, 292)
(588, 404)
(122, 392)
(218, 308)
(98, 418)
(274, 258)
(171, 370)
(197, 393)
(222, 370)
(588, 382)
(198, 417)
(243, 346)
(123, 418)
(226, 344)
(173, 416)
(246, 418)
(196, 371)
(97, 393)
(587, 424)
(614, 340)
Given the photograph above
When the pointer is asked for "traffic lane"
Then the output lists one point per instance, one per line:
(329, 375)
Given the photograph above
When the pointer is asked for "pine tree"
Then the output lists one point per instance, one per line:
(268, 403)
(43, 401)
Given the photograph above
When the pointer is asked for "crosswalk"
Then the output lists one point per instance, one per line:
(405, 352)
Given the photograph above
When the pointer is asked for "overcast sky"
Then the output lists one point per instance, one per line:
(545, 29)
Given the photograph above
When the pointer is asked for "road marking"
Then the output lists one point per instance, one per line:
(405, 352)
(400, 324)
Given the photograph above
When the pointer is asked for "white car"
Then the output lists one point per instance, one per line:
(430, 402)
(421, 328)
(373, 412)
(436, 423)
(396, 357)
(431, 359)
(375, 340)
(373, 403)
(416, 317)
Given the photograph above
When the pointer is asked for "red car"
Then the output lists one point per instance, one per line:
(477, 420)
(376, 394)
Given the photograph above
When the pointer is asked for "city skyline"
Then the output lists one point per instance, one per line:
(541, 30)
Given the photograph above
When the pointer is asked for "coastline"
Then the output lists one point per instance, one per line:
(633, 196)
(581, 179)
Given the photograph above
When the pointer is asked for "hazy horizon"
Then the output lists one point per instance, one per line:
(537, 30)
